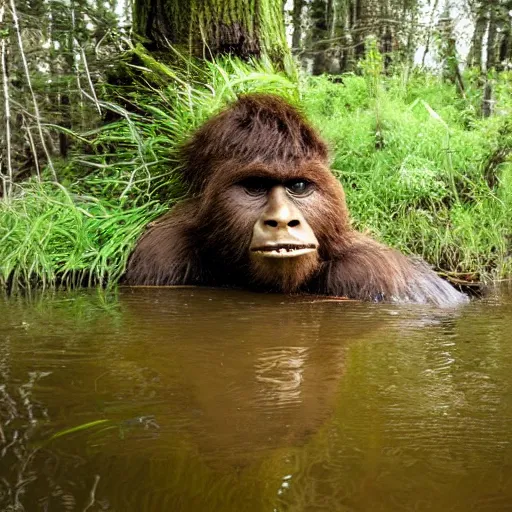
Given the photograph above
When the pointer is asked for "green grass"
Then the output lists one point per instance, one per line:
(421, 170)
(49, 237)
(135, 158)
(122, 176)
(420, 184)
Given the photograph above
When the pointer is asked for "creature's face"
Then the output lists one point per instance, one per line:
(276, 222)
(281, 230)
(284, 248)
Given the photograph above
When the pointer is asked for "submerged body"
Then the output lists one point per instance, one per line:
(266, 213)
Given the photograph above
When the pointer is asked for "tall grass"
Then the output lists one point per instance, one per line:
(123, 175)
(423, 180)
(51, 237)
(421, 170)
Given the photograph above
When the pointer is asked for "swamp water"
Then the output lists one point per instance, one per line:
(212, 400)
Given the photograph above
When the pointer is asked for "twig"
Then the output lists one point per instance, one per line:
(32, 148)
(6, 179)
(29, 83)
(89, 80)
(92, 494)
(430, 27)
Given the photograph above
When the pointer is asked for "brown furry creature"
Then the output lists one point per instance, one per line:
(266, 213)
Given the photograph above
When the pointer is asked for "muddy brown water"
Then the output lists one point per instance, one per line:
(214, 400)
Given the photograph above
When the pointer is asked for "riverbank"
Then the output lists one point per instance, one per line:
(422, 170)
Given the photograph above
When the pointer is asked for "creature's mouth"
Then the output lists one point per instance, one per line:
(283, 250)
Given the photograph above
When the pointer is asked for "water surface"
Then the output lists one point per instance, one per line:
(213, 400)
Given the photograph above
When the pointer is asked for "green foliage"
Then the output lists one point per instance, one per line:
(51, 237)
(372, 66)
(136, 158)
(431, 188)
(127, 173)
(421, 170)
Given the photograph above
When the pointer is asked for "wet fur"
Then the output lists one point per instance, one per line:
(205, 239)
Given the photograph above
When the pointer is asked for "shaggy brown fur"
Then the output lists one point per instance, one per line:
(257, 128)
(205, 240)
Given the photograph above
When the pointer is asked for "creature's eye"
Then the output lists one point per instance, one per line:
(299, 187)
(255, 186)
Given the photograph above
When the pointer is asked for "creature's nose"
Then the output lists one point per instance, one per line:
(280, 213)
(275, 223)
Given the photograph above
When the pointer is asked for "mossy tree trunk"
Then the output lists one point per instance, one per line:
(208, 28)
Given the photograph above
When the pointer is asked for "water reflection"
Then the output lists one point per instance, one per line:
(256, 372)
(220, 400)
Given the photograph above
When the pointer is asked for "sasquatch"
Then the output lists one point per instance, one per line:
(265, 212)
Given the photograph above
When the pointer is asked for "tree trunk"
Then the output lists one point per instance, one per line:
(338, 17)
(335, 31)
(491, 37)
(448, 52)
(208, 28)
(487, 99)
(327, 41)
(348, 61)
(318, 35)
(368, 12)
(297, 25)
(386, 35)
(475, 58)
(505, 49)
(503, 45)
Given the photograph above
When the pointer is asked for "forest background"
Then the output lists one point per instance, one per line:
(413, 96)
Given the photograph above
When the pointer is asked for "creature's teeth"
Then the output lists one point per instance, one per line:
(284, 249)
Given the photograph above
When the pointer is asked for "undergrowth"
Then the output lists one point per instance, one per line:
(81, 231)
(51, 237)
(421, 169)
